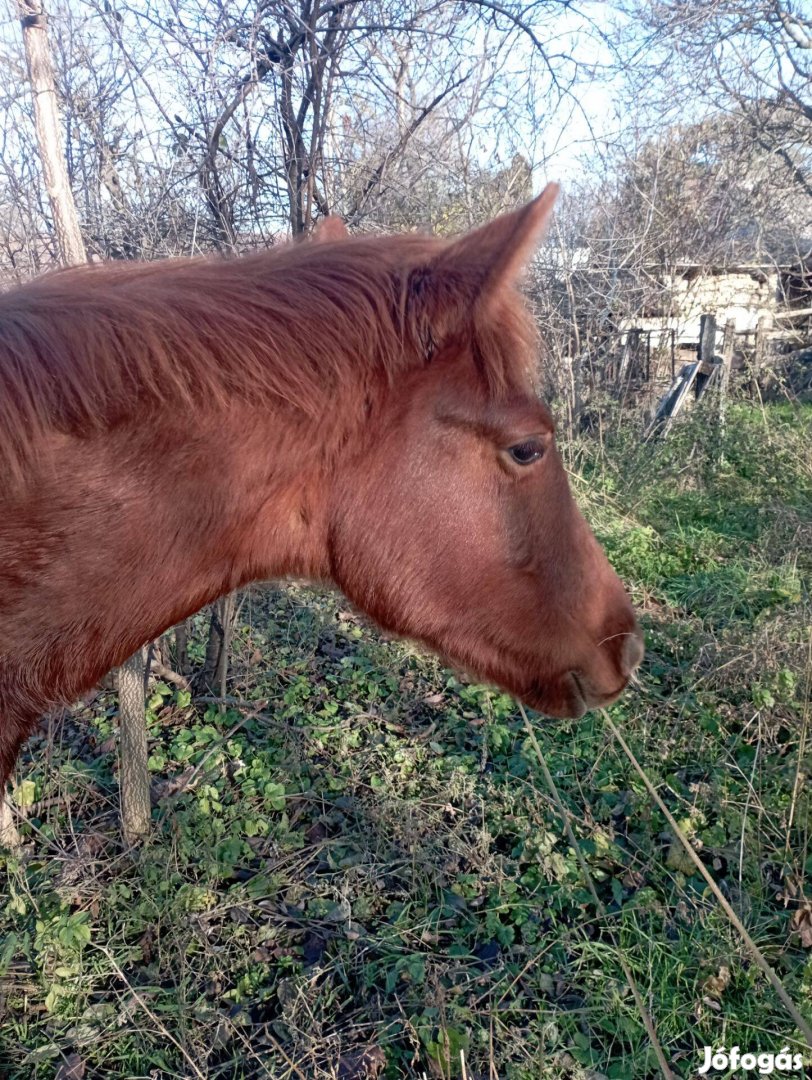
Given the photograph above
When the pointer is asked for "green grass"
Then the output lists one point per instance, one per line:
(373, 864)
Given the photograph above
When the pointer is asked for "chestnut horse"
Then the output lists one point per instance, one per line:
(358, 411)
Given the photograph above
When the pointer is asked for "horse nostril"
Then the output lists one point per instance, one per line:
(632, 653)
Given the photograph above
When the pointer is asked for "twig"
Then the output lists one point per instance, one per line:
(292, 1066)
(756, 953)
(169, 675)
(796, 786)
(252, 707)
(648, 1023)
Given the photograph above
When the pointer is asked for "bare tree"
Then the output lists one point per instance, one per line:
(290, 110)
(665, 200)
(750, 56)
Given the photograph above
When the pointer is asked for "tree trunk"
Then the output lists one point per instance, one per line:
(228, 611)
(9, 837)
(182, 647)
(133, 769)
(212, 678)
(49, 132)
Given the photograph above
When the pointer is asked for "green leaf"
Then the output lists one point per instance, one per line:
(9, 949)
(25, 793)
(275, 794)
(679, 859)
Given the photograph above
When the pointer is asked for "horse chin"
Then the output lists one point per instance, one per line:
(561, 699)
(569, 697)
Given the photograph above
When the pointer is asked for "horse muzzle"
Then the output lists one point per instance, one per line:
(577, 691)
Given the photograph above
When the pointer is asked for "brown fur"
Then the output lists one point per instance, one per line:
(337, 411)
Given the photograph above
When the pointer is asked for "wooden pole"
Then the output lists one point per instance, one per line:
(635, 342)
(49, 132)
(228, 610)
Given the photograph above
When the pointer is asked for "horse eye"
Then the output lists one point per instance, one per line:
(525, 453)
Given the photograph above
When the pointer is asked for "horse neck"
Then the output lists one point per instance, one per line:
(132, 531)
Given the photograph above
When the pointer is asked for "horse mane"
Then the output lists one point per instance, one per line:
(307, 326)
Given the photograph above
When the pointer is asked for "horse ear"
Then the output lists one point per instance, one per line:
(494, 256)
(473, 270)
(330, 228)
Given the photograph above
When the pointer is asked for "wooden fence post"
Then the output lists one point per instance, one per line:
(759, 352)
(724, 381)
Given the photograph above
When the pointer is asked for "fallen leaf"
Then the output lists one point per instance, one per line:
(78, 867)
(72, 1068)
(801, 924)
(172, 785)
(146, 943)
(632, 879)
(715, 985)
(313, 949)
(362, 1065)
